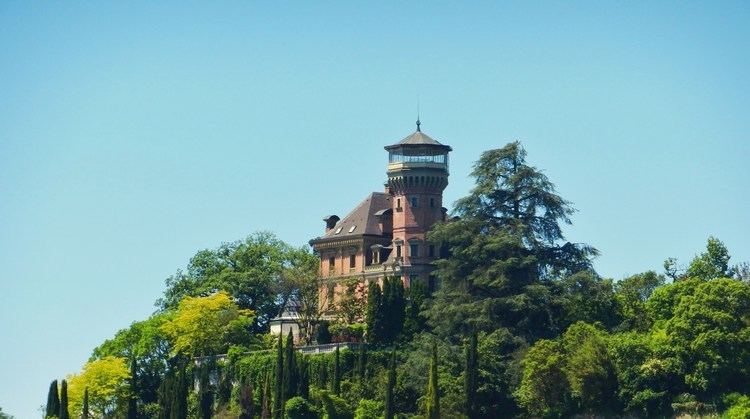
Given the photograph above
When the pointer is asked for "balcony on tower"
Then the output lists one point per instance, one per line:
(418, 160)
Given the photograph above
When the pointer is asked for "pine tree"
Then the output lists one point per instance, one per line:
(64, 401)
(337, 373)
(205, 395)
(132, 402)
(471, 377)
(433, 396)
(246, 399)
(85, 410)
(389, 408)
(290, 370)
(53, 400)
(374, 314)
(278, 396)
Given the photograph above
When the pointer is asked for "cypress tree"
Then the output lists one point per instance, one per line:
(265, 412)
(389, 409)
(433, 396)
(53, 400)
(413, 320)
(362, 363)
(246, 399)
(205, 395)
(304, 377)
(374, 314)
(471, 377)
(166, 393)
(85, 410)
(179, 407)
(278, 396)
(396, 308)
(323, 373)
(64, 401)
(290, 370)
(132, 402)
(337, 373)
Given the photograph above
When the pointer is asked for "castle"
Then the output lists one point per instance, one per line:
(385, 235)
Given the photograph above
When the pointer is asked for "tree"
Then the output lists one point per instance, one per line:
(132, 400)
(337, 373)
(588, 367)
(290, 381)
(107, 382)
(265, 409)
(544, 387)
(350, 304)
(389, 405)
(432, 406)
(303, 288)
(64, 401)
(414, 322)
(393, 307)
(278, 396)
(304, 377)
(299, 408)
(85, 408)
(504, 249)
(179, 407)
(252, 271)
(713, 263)
(374, 314)
(53, 400)
(206, 325)
(631, 294)
(471, 377)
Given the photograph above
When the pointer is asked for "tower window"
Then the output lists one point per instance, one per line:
(398, 203)
(352, 261)
(398, 251)
(432, 202)
(414, 202)
(414, 250)
(431, 251)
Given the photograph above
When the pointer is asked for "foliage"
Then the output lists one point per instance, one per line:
(207, 325)
(631, 294)
(106, 380)
(544, 388)
(738, 406)
(369, 409)
(713, 263)
(299, 408)
(432, 405)
(471, 377)
(64, 413)
(53, 400)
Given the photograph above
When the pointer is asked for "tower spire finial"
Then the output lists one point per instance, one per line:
(418, 123)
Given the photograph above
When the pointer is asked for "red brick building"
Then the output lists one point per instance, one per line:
(385, 233)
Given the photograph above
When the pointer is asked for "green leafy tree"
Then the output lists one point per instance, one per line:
(713, 263)
(299, 408)
(252, 271)
(369, 409)
(206, 325)
(414, 321)
(432, 405)
(304, 378)
(507, 240)
(588, 368)
(586, 297)
(64, 414)
(53, 400)
(544, 389)
(107, 381)
(631, 294)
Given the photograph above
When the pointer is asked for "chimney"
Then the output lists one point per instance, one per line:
(331, 221)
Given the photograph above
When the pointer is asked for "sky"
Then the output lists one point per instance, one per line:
(134, 134)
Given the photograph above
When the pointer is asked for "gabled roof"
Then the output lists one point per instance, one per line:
(362, 219)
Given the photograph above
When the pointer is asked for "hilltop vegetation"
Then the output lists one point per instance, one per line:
(520, 326)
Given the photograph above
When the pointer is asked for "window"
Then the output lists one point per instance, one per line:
(398, 251)
(352, 261)
(431, 251)
(432, 202)
(376, 256)
(414, 250)
(414, 202)
(398, 204)
(331, 264)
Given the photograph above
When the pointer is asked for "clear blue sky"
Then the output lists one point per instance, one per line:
(133, 135)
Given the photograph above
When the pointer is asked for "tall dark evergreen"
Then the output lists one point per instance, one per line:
(414, 321)
(390, 385)
(392, 308)
(64, 414)
(433, 394)
(323, 374)
(471, 378)
(508, 238)
(278, 394)
(132, 398)
(179, 407)
(85, 408)
(53, 400)
(374, 318)
(304, 377)
(362, 363)
(291, 376)
(265, 408)
(205, 393)
(337, 373)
